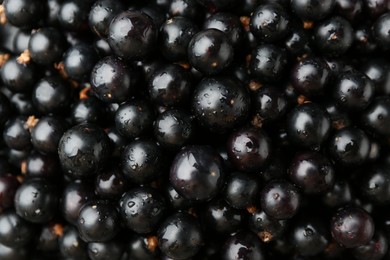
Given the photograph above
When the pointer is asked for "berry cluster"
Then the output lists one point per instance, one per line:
(194, 129)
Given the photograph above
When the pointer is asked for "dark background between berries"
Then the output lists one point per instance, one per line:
(194, 129)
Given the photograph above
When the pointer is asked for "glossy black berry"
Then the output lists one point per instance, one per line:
(83, 149)
(42, 166)
(51, 95)
(89, 110)
(353, 91)
(23, 13)
(381, 30)
(219, 103)
(134, 118)
(142, 161)
(170, 86)
(249, 149)
(242, 245)
(46, 46)
(112, 80)
(267, 228)
(110, 183)
(310, 76)
(180, 236)
(73, 15)
(18, 76)
(46, 134)
(101, 14)
(378, 70)
(270, 22)
(308, 125)
(71, 245)
(268, 62)
(375, 184)
(174, 37)
(352, 227)
(79, 61)
(312, 172)
(227, 23)
(74, 196)
(132, 35)
(241, 189)
(312, 10)
(310, 236)
(270, 103)
(8, 187)
(221, 218)
(36, 200)
(376, 249)
(16, 134)
(339, 195)
(376, 117)
(98, 221)
(142, 209)
(173, 129)
(9, 253)
(106, 250)
(349, 146)
(197, 173)
(333, 36)
(280, 199)
(15, 232)
(210, 51)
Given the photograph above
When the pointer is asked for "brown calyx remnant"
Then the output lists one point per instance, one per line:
(251, 209)
(24, 57)
(302, 100)
(254, 85)
(245, 21)
(20, 178)
(31, 122)
(84, 93)
(192, 212)
(3, 59)
(338, 124)
(58, 230)
(152, 243)
(265, 236)
(257, 121)
(308, 25)
(23, 167)
(3, 18)
(61, 69)
(184, 65)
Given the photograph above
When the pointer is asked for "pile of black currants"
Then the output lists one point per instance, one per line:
(194, 129)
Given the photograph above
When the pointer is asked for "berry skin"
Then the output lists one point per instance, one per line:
(210, 51)
(241, 190)
(23, 13)
(197, 173)
(242, 245)
(106, 250)
(36, 200)
(375, 185)
(349, 146)
(308, 125)
(376, 117)
(280, 199)
(270, 22)
(312, 172)
(132, 35)
(15, 232)
(381, 31)
(174, 37)
(142, 161)
(180, 236)
(312, 10)
(79, 61)
(83, 149)
(352, 227)
(8, 187)
(249, 149)
(267, 228)
(353, 91)
(112, 80)
(334, 36)
(220, 103)
(268, 62)
(376, 249)
(98, 221)
(101, 14)
(142, 209)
